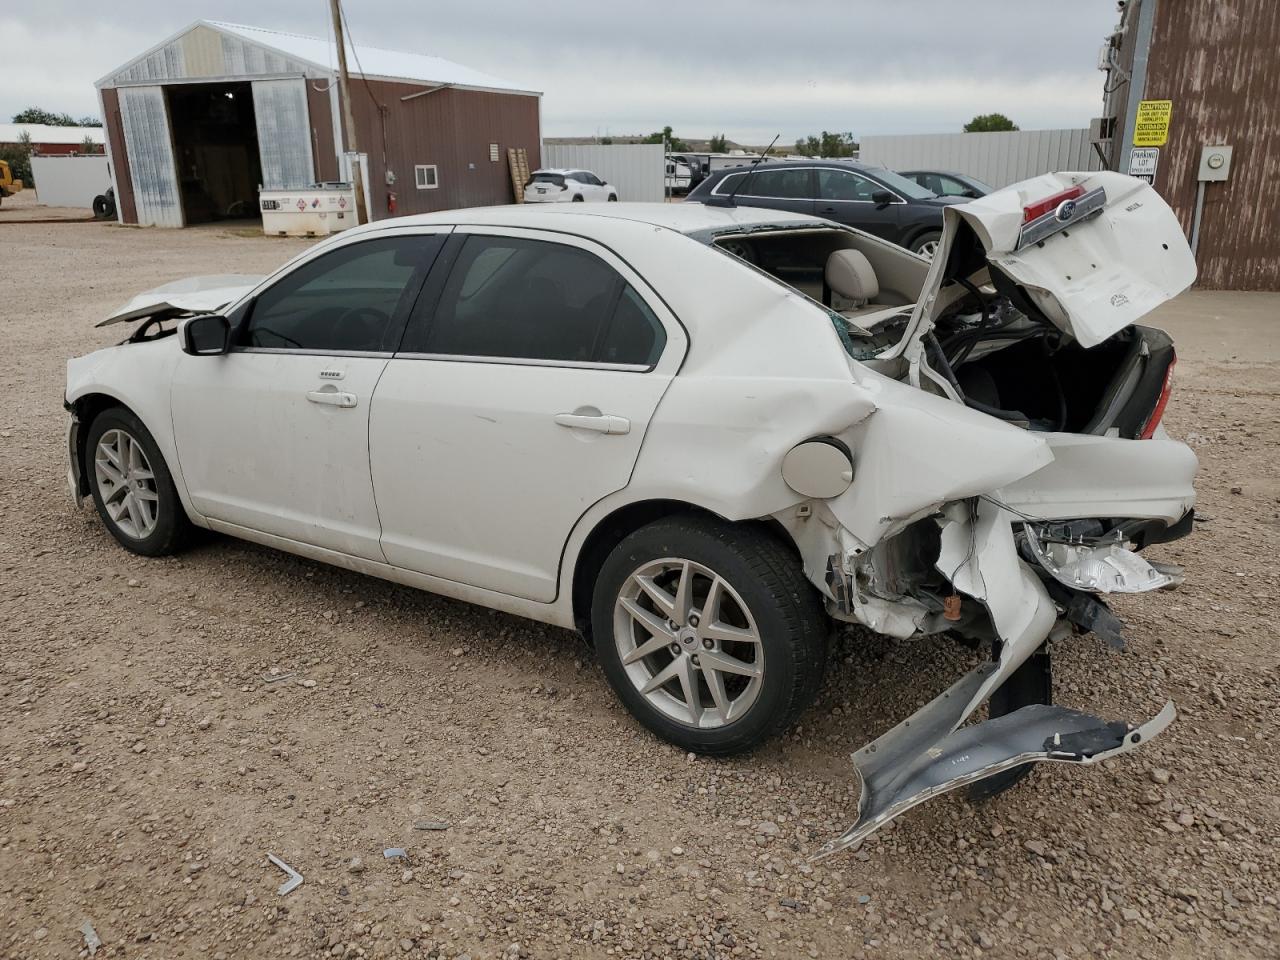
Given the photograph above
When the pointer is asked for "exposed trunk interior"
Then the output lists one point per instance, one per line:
(215, 145)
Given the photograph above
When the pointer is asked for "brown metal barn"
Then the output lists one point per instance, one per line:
(1185, 77)
(197, 123)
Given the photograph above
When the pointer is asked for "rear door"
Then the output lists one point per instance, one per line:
(520, 397)
(846, 197)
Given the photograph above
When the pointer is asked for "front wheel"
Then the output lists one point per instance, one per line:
(709, 633)
(132, 487)
(613, 197)
(926, 245)
(577, 198)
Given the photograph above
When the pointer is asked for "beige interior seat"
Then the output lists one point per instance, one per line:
(851, 278)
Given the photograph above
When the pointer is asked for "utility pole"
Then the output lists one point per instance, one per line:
(344, 88)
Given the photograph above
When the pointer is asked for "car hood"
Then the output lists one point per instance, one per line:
(1091, 266)
(192, 295)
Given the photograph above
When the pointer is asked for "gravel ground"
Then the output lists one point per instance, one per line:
(147, 769)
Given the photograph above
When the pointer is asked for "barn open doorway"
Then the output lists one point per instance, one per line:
(215, 147)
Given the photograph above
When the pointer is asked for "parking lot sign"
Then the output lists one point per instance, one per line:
(1142, 163)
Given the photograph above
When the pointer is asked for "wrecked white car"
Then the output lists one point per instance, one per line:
(697, 434)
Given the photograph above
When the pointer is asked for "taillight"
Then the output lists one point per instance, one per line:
(1157, 412)
(1034, 211)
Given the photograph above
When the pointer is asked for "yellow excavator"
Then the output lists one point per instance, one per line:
(8, 185)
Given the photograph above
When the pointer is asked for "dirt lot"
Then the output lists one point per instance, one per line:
(146, 769)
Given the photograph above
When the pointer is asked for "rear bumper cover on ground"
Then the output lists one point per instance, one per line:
(908, 766)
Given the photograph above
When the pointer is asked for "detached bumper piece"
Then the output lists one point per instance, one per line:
(900, 771)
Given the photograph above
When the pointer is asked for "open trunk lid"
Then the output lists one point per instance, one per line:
(1091, 253)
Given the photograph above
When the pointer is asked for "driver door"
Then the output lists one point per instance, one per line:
(273, 436)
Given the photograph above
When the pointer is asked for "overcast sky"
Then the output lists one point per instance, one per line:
(747, 68)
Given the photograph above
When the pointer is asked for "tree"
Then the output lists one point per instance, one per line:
(89, 146)
(673, 142)
(88, 122)
(827, 145)
(39, 115)
(606, 140)
(718, 144)
(989, 123)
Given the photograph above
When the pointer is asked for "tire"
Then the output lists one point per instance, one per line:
(762, 595)
(613, 198)
(926, 243)
(577, 198)
(152, 525)
(101, 208)
(1030, 683)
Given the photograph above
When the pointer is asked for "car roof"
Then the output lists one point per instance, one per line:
(686, 218)
(786, 164)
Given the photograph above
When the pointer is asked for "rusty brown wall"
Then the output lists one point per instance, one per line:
(119, 156)
(449, 128)
(1219, 62)
(321, 115)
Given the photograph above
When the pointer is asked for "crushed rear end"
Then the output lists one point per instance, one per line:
(1011, 475)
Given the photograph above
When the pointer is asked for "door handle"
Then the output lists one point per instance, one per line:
(604, 423)
(333, 398)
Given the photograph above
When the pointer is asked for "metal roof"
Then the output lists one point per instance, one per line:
(371, 62)
(45, 133)
(247, 50)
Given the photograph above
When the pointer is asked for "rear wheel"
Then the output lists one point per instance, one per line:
(709, 633)
(577, 198)
(132, 487)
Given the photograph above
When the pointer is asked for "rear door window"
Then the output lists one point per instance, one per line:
(516, 298)
(779, 184)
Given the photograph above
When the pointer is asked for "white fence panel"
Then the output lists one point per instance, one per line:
(638, 170)
(69, 181)
(995, 158)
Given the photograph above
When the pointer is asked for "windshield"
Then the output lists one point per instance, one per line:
(908, 188)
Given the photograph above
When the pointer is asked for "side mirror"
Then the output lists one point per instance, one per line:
(971, 194)
(207, 335)
(882, 198)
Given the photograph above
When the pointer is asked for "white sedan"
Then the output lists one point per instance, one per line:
(699, 435)
(567, 186)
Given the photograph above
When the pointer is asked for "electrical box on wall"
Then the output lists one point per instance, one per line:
(1215, 163)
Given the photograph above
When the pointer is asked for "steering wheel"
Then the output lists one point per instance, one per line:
(362, 327)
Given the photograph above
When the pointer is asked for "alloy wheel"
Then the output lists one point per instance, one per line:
(928, 249)
(126, 484)
(689, 643)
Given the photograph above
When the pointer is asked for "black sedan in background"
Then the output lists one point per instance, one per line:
(947, 183)
(873, 199)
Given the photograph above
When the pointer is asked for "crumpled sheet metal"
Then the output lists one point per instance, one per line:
(1039, 732)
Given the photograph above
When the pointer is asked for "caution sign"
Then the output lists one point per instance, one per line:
(1151, 129)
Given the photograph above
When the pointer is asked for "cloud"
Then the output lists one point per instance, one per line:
(748, 68)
